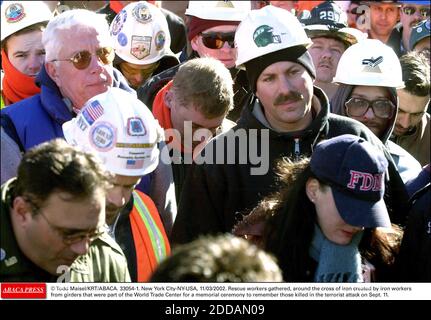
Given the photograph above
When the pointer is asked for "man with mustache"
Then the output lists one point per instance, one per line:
(327, 27)
(285, 117)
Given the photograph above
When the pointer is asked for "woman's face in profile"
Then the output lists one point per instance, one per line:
(329, 220)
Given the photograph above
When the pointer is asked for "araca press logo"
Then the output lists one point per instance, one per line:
(263, 36)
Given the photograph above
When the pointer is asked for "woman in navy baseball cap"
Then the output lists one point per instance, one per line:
(330, 222)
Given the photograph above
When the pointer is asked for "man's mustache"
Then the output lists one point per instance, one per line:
(292, 97)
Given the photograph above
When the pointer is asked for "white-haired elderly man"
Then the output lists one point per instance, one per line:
(78, 66)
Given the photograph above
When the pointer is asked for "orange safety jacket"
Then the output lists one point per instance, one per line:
(149, 236)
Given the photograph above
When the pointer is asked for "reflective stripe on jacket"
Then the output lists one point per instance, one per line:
(149, 236)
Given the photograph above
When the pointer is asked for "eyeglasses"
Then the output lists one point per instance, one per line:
(82, 59)
(69, 237)
(72, 238)
(424, 12)
(217, 40)
(357, 107)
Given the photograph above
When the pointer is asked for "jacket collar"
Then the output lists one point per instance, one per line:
(53, 101)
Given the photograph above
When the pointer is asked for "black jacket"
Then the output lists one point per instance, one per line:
(414, 261)
(215, 196)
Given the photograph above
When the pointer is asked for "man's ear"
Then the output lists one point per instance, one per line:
(311, 188)
(21, 210)
(168, 98)
(194, 43)
(51, 69)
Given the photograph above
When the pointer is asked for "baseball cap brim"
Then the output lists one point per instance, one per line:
(349, 36)
(361, 213)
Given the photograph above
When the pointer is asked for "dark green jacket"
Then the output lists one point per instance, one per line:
(104, 262)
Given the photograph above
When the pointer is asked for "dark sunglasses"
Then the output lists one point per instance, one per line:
(217, 40)
(357, 107)
(82, 59)
(425, 12)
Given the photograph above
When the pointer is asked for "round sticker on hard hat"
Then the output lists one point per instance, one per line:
(103, 136)
(142, 13)
(14, 13)
(160, 40)
(118, 22)
(122, 39)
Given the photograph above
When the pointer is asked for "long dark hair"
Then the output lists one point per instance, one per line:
(290, 229)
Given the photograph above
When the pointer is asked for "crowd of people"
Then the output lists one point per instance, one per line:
(252, 141)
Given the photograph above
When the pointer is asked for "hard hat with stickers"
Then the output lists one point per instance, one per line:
(268, 30)
(370, 63)
(140, 33)
(120, 129)
(17, 15)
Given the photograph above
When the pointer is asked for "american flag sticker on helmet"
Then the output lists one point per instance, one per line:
(135, 164)
(92, 112)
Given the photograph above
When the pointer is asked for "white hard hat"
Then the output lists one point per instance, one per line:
(219, 10)
(370, 63)
(140, 33)
(120, 129)
(17, 15)
(268, 30)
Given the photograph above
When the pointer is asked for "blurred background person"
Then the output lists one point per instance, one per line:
(411, 14)
(384, 15)
(221, 258)
(420, 38)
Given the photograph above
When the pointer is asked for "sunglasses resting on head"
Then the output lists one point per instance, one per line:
(424, 12)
